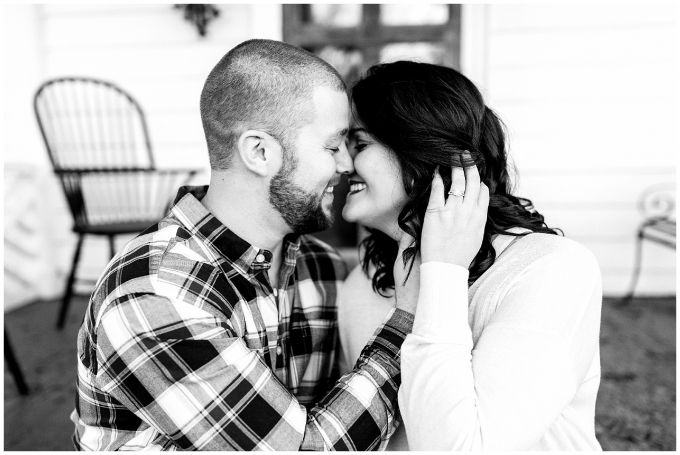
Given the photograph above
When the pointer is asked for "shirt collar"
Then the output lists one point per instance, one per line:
(195, 217)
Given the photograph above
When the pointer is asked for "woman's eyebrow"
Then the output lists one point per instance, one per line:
(357, 130)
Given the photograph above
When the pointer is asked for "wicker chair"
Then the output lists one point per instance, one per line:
(13, 365)
(657, 206)
(97, 139)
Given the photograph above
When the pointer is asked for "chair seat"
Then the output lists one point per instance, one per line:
(131, 227)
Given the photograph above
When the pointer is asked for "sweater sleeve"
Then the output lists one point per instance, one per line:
(506, 391)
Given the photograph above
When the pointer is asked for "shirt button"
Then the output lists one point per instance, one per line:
(260, 258)
(279, 350)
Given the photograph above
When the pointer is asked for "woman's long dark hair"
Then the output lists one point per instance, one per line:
(427, 115)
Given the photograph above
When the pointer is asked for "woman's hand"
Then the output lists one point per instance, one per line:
(453, 229)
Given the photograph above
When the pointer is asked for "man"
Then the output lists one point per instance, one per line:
(216, 328)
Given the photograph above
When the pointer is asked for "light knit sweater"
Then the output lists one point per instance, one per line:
(510, 364)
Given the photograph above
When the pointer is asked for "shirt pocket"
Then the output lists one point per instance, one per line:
(323, 334)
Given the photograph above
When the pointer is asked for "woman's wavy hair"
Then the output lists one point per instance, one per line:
(428, 115)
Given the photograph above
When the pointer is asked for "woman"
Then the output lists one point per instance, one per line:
(504, 352)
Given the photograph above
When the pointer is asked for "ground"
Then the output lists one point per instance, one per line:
(635, 406)
(636, 401)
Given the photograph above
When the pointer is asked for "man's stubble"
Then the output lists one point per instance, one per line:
(301, 210)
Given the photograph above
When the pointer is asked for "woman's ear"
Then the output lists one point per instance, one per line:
(259, 152)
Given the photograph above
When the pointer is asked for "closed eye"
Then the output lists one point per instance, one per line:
(359, 146)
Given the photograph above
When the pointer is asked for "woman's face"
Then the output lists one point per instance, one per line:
(377, 193)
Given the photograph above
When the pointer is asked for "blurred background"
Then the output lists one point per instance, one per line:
(589, 93)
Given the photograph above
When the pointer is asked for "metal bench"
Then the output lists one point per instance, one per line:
(657, 206)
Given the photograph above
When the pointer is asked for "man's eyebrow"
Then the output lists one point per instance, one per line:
(338, 135)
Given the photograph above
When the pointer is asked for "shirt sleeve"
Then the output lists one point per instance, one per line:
(186, 373)
(506, 391)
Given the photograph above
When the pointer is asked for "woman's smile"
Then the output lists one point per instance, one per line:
(377, 169)
(356, 186)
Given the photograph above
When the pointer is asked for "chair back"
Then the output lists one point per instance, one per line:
(91, 124)
(96, 136)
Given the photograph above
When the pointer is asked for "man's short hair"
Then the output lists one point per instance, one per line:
(264, 85)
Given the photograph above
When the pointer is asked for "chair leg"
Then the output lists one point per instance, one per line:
(636, 271)
(112, 246)
(13, 365)
(69, 285)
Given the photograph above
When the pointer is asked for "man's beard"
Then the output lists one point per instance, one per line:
(302, 211)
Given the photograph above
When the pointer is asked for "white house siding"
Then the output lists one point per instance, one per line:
(586, 90)
(589, 95)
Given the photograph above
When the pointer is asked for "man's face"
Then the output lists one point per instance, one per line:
(302, 190)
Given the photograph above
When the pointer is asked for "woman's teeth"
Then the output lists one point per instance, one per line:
(356, 187)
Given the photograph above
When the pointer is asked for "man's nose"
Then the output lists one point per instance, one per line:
(344, 162)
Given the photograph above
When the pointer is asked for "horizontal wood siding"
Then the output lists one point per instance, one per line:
(589, 95)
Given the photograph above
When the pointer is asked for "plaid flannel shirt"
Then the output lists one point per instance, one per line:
(185, 345)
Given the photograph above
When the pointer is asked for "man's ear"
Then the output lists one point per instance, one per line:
(259, 152)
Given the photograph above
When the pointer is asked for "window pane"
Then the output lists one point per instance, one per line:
(414, 14)
(344, 15)
(419, 52)
(348, 62)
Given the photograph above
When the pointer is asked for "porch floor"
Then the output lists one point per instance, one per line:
(635, 408)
